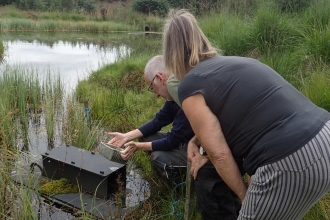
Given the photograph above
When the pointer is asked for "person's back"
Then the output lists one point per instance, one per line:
(247, 89)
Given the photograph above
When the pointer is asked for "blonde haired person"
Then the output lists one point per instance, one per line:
(214, 198)
(240, 108)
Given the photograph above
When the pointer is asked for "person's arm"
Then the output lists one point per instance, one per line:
(207, 128)
(119, 139)
(163, 117)
(131, 147)
(181, 130)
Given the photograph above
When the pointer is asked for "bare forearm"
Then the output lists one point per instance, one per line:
(208, 130)
(131, 135)
(229, 172)
(145, 146)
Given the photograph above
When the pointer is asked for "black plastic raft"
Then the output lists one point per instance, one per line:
(92, 172)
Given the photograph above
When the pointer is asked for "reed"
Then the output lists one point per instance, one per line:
(318, 44)
(229, 32)
(23, 93)
(317, 88)
(274, 31)
(61, 16)
(288, 64)
(2, 50)
(293, 44)
(76, 129)
(18, 24)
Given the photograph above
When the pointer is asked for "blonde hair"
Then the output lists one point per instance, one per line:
(184, 43)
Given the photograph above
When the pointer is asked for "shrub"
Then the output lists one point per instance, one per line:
(292, 5)
(87, 5)
(157, 7)
(6, 2)
(317, 89)
(273, 31)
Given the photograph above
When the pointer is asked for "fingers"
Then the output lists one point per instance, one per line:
(129, 151)
(126, 156)
(193, 172)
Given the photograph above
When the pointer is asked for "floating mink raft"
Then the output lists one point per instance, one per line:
(100, 178)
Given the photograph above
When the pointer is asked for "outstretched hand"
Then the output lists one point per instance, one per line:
(118, 140)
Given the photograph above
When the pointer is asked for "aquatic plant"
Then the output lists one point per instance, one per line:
(61, 186)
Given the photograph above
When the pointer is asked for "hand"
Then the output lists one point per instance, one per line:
(196, 163)
(192, 149)
(129, 151)
(118, 140)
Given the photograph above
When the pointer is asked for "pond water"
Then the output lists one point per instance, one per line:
(72, 56)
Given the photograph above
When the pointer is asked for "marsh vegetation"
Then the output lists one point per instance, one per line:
(293, 41)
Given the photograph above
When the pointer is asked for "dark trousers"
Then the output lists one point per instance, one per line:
(170, 165)
(215, 199)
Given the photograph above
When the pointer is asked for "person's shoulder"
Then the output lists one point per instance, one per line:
(172, 79)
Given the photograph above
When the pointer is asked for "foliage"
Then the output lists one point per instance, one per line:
(292, 5)
(61, 186)
(6, 2)
(2, 48)
(30, 4)
(274, 31)
(318, 44)
(156, 7)
(228, 32)
(177, 3)
(87, 5)
(317, 16)
(317, 89)
(56, 5)
(62, 16)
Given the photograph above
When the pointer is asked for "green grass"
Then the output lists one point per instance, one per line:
(317, 88)
(277, 39)
(294, 44)
(116, 19)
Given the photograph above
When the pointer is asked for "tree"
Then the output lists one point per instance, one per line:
(6, 2)
(159, 7)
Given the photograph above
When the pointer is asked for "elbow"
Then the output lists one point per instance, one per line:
(220, 157)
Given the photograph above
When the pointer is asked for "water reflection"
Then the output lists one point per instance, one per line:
(72, 61)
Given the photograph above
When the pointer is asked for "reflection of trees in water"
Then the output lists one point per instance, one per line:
(2, 50)
(135, 43)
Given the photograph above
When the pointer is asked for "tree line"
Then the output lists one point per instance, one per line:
(155, 7)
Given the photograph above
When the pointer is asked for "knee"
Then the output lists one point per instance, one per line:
(156, 156)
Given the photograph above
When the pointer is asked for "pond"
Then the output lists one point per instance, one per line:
(72, 56)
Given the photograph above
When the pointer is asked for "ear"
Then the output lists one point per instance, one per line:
(161, 77)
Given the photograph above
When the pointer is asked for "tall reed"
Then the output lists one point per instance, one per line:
(23, 97)
(317, 88)
(18, 24)
(229, 32)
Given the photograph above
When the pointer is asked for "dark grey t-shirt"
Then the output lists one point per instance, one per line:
(263, 117)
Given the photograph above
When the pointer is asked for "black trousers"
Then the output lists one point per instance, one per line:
(170, 165)
(215, 199)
